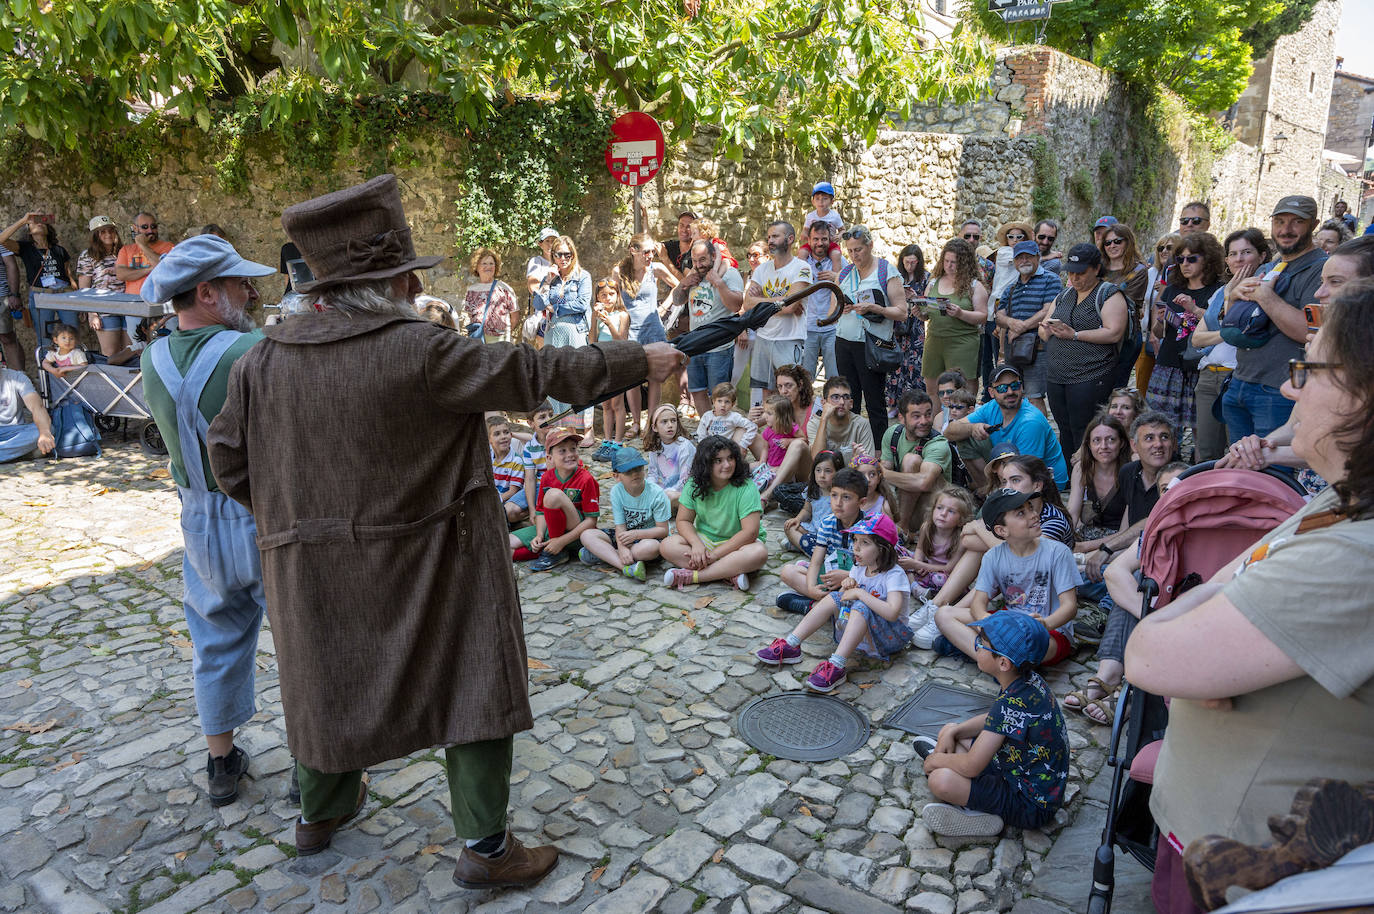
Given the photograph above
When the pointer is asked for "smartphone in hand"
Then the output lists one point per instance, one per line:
(1313, 313)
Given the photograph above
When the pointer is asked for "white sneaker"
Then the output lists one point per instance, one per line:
(742, 582)
(959, 821)
(923, 627)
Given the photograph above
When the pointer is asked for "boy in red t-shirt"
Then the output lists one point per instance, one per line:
(568, 502)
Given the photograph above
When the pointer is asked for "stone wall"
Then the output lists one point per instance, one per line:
(1334, 184)
(1352, 109)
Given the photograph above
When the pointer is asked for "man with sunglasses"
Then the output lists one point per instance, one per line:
(137, 258)
(1009, 417)
(1194, 217)
(1046, 235)
(972, 232)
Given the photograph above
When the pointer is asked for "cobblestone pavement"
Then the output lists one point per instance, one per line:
(634, 768)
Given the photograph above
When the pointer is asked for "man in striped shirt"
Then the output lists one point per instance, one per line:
(1022, 306)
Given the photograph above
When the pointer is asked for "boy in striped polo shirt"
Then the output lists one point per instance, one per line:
(507, 465)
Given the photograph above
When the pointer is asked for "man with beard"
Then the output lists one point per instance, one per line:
(1253, 404)
(356, 433)
(137, 258)
(185, 377)
(782, 340)
(916, 459)
(709, 295)
(1009, 417)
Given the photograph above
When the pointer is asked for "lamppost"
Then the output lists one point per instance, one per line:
(1279, 140)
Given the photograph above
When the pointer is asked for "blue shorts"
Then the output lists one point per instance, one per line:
(885, 638)
(992, 792)
(521, 500)
(707, 370)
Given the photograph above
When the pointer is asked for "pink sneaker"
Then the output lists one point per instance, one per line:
(677, 577)
(825, 677)
(778, 653)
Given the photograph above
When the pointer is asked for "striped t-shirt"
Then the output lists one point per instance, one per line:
(509, 471)
(534, 458)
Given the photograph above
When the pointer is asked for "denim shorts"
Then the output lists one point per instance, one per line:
(992, 792)
(707, 370)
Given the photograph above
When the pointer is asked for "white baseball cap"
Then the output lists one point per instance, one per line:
(99, 222)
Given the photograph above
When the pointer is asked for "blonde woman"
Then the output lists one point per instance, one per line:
(488, 302)
(637, 277)
(1158, 279)
(565, 293)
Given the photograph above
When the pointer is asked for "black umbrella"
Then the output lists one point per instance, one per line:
(718, 332)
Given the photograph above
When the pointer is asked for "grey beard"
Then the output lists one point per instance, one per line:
(231, 317)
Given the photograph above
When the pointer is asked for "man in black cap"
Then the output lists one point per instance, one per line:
(1253, 404)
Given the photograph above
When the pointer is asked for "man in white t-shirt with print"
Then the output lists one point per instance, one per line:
(781, 340)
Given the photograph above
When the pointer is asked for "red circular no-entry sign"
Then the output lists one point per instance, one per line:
(634, 153)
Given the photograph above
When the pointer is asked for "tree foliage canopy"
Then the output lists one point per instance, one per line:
(813, 72)
(1201, 49)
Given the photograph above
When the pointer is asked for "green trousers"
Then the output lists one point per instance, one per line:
(478, 784)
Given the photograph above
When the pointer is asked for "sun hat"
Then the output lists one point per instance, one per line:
(626, 459)
(879, 525)
(198, 259)
(354, 235)
(1018, 636)
(99, 222)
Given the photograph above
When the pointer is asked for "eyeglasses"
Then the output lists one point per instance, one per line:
(1298, 369)
(972, 237)
(1113, 242)
(840, 398)
(860, 232)
(1164, 247)
(562, 255)
(1007, 388)
(1188, 258)
(1189, 220)
(1049, 238)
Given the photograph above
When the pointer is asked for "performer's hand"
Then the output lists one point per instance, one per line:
(664, 361)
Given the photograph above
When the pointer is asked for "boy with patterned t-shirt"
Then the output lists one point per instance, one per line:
(534, 456)
(1010, 765)
(507, 469)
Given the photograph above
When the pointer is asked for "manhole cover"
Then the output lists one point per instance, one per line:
(801, 727)
(935, 705)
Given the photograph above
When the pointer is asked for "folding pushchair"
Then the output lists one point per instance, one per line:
(1205, 520)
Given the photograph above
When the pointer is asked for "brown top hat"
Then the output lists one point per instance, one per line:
(354, 235)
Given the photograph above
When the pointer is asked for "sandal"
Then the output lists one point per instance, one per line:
(1081, 699)
(1106, 706)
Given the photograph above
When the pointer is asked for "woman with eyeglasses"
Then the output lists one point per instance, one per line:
(565, 294)
(879, 301)
(1082, 336)
(1180, 308)
(1121, 259)
(1157, 279)
(1270, 663)
(637, 277)
(955, 320)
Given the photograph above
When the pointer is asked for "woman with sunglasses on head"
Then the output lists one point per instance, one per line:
(878, 301)
(637, 277)
(1181, 306)
(566, 294)
(1270, 663)
(1121, 260)
(1156, 280)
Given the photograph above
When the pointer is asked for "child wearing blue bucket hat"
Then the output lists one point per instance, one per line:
(1010, 765)
(640, 511)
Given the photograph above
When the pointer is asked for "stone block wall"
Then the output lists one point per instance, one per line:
(1352, 108)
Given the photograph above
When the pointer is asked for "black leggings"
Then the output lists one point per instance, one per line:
(865, 385)
(1073, 406)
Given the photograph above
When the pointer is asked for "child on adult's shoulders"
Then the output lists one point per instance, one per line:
(507, 469)
(832, 549)
(1010, 765)
(1036, 576)
(868, 613)
(567, 504)
(640, 512)
(822, 201)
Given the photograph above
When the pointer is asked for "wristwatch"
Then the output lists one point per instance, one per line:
(1107, 549)
(1075, 334)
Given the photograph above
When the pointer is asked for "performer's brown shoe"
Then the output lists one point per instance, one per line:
(315, 837)
(518, 866)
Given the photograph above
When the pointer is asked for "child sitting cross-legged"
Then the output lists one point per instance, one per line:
(718, 520)
(1010, 765)
(868, 613)
(567, 504)
(832, 554)
(801, 530)
(1036, 575)
(507, 468)
(641, 513)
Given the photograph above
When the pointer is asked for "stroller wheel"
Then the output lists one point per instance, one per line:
(107, 424)
(150, 439)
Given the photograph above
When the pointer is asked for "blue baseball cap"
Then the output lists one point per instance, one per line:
(1105, 222)
(877, 524)
(1015, 635)
(199, 259)
(626, 459)
(823, 187)
(1025, 247)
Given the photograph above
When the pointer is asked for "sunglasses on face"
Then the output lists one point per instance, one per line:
(946, 393)
(1190, 220)
(150, 225)
(1298, 370)
(972, 237)
(1113, 242)
(1188, 258)
(1015, 236)
(1049, 238)
(1164, 247)
(562, 255)
(1007, 388)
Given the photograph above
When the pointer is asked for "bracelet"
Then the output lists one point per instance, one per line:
(1107, 549)
(1075, 334)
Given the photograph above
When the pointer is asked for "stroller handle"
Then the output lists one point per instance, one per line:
(1285, 478)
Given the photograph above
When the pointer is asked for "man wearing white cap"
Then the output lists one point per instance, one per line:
(185, 380)
(540, 264)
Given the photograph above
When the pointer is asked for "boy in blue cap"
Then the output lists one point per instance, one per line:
(822, 197)
(640, 510)
(1010, 765)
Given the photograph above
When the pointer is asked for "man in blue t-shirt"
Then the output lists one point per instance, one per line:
(1008, 417)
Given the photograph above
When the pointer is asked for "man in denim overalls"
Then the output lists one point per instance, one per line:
(185, 378)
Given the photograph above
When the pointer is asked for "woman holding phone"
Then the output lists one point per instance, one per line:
(47, 267)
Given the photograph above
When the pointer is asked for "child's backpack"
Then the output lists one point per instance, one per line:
(74, 431)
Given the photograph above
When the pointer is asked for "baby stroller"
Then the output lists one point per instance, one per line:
(1206, 519)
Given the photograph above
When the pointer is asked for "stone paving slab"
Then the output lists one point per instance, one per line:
(633, 768)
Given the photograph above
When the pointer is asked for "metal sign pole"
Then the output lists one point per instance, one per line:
(638, 208)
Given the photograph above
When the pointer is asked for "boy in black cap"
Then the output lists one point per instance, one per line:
(1008, 766)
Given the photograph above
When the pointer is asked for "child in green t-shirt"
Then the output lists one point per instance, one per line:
(719, 520)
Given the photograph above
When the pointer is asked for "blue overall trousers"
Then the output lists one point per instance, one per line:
(223, 597)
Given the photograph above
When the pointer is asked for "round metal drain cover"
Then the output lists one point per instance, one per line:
(802, 727)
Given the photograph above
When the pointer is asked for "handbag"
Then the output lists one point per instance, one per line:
(478, 329)
(1021, 352)
(880, 355)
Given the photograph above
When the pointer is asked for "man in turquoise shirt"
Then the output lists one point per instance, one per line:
(1009, 417)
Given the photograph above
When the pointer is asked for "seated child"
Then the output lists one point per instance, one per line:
(832, 553)
(1036, 575)
(506, 466)
(718, 521)
(641, 512)
(1010, 765)
(801, 530)
(68, 357)
(974, 454)
(939, 542)
(869, 612)
(876, 501)
(788, 450)
(723, 420)
(567, 504)
(668, 451)
(535, 460)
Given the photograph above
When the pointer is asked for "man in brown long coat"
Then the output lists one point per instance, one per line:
(355, 433)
